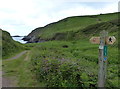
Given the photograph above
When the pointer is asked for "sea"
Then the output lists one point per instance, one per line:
(19, 39)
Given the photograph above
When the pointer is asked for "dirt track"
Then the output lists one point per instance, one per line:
(9, 81)
(17, 56)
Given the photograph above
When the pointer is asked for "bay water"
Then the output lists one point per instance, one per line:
(19, 39)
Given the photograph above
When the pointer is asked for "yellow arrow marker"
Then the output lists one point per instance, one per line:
(95, 40)
(110, 40)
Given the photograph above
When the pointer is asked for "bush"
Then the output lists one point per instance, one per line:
(61, 73)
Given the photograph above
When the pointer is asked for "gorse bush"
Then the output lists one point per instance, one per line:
(61, 67)
(61, 73)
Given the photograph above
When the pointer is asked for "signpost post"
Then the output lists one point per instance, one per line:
(102, 59)
(103, 40)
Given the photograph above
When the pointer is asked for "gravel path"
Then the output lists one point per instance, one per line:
(17, 56)
(10, 81)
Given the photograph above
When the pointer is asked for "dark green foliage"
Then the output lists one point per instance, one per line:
(57, 66)
(71, 64)
(9, 46)
(110, 26)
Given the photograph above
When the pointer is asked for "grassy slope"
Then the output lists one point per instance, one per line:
(70, 26)
(79, 59)
(9, 46)
(80, 56)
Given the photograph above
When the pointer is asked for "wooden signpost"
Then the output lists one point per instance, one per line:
(109, 40)
(95, 40)
(103, 40)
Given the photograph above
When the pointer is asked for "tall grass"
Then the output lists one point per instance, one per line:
(71, 64)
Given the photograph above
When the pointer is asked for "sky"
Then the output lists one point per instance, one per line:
(20, 17)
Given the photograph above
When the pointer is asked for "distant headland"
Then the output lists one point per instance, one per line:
(17, 36)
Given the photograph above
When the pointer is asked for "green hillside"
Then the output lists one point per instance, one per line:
(72, 64)
(9, 46)
(69, 59)
(73, 28)
(66, 58)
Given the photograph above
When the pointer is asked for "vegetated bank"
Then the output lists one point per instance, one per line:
(73, 28)
(72, 64)
(9, 46)
(70, 60)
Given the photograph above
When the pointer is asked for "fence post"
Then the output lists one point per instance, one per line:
(102, 59)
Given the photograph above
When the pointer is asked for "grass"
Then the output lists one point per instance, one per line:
(80, 54)
(72, 61)
(75, 26)
(20, 69)
(76, 55)
(11, 67)
(9, 46)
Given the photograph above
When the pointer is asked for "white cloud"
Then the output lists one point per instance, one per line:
(22, 16)
(90, 0)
